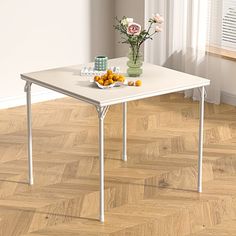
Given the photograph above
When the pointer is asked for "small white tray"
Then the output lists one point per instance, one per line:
(89, 71)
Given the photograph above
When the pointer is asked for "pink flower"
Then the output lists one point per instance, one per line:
(133, 29)
(158, 28)
(158, 18)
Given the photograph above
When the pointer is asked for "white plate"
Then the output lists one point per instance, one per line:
(116, 84)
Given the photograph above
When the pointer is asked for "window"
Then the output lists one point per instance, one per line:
(222, 31)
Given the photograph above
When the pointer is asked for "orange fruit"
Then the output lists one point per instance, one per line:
(110, 81)
(138, 83)
(106, 83)
(121, 78)
(110, 77)
(100, 81)
(109, 72)
(96, 78)
(115, 77)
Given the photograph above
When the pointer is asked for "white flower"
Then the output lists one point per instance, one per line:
(127, 21)
(158, 18)
(158, 29)
(130, 20)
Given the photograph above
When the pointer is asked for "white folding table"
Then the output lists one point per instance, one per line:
(156, 81)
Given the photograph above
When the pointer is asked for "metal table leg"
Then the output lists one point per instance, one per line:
(101, 115)
(29, 124)
(124, 156)
(200, 144)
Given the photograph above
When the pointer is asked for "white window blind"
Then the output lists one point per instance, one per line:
(229, 24)
(222, 23)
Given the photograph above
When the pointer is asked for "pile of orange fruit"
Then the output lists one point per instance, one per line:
(109, 78)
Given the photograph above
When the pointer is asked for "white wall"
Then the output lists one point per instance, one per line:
(130, 8)
(227, 77)
(35, 35)
(102, 14)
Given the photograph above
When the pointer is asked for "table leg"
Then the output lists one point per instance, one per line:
(101, 114)
(29, 124)
(200, 144)
(124, 156)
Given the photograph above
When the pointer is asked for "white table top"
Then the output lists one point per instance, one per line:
(156, 80)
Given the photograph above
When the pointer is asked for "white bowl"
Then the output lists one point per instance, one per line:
(116, 84)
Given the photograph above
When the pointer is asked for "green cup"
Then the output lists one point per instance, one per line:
(100, 63)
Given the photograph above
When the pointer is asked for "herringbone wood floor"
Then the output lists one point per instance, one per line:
(153, 194)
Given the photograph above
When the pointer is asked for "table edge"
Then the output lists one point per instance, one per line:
(59, 90)
(112, 102)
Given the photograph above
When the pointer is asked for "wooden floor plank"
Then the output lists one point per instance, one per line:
(153, 194)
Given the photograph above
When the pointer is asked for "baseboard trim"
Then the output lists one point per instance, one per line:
(228, 98)
(16, 101)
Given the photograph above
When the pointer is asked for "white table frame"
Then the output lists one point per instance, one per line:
(102, 110)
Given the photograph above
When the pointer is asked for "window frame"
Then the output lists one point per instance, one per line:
(222, 52)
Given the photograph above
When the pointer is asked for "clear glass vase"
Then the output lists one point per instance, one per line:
(134, 63)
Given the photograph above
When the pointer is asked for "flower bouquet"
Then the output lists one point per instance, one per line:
(133, 35)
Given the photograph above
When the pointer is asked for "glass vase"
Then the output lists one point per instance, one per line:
(135, 62)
